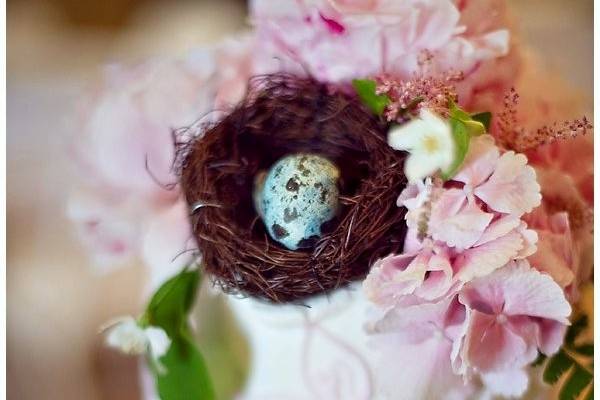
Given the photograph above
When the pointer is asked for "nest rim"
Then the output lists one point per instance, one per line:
(288, 114)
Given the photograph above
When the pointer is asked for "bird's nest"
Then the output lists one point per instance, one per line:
(280, 115)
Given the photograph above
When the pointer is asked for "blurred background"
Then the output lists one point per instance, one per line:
(54, 48)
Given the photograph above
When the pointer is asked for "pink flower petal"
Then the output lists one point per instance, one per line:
(512, 188)
(167, 237)
(490, 346)
(414, 323)
(394, 276)
(511, 382)
(107, 225)
(438, 280)
(424, 368)
(551, 336)
(461, 230)
(499, 228)
(482, 260)
(525, 291)
(480, 161)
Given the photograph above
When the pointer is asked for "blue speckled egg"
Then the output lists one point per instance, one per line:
(296, 197)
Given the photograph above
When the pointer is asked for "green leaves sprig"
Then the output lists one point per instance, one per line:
(366, 90)
(464, 126)
(572, 362)
(185, 375)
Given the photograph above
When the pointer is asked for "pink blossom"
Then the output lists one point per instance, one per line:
(574, 157)
(558, 254)
(336, 41)
(425, 274)
(511, 314)
(105, 226)
(462, 214)
(561, 195)
(235, 66)
(504, 240)
(125, 150)
(414, 346)
(505, 183)
(487, 81)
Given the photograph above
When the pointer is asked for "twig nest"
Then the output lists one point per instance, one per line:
(298, 196)
(284, 115)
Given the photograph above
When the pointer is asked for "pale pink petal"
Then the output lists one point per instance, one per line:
(499, 228)
(551, 335)
(554, 256)
(530, 240)
(415, 194)
(461, 230)
(166, 243)
(424, 368)
(393, 277)
(438, 280)
(107, 225)
(482, 260)
(412, 243)
(126, 133)
(490, 346)
(480, 161)
(512, 188)
(511, 382)
(449, 203)
(525, 291)
(414, 323)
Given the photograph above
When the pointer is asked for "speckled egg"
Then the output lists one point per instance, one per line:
(296, 197)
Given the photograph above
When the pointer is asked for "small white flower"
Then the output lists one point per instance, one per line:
(126, 335)
(429, 141)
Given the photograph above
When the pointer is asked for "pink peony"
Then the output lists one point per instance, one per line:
(511, 315)
(125, 152)
(235, 62)
(487, 82)
(338, 40)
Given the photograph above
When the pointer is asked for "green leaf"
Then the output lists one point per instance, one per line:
(484, 117)
(576, 328)
(365, 88)
(186, 376)
(461, 136)
(539, 360)
(577, 381)
(170, 304)
(590, 393)
(464, 126)
(475, 128)
(586, 349)
(557, 366)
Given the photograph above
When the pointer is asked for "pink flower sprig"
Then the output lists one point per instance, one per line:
(470, 273)
(515, 137)
(408, 97)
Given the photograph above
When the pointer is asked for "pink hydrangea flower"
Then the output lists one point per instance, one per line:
(470, 210)
(422, 337)
(511, 314)
(505, 183)
(336, 41)
(558, 254)
(425, 275)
